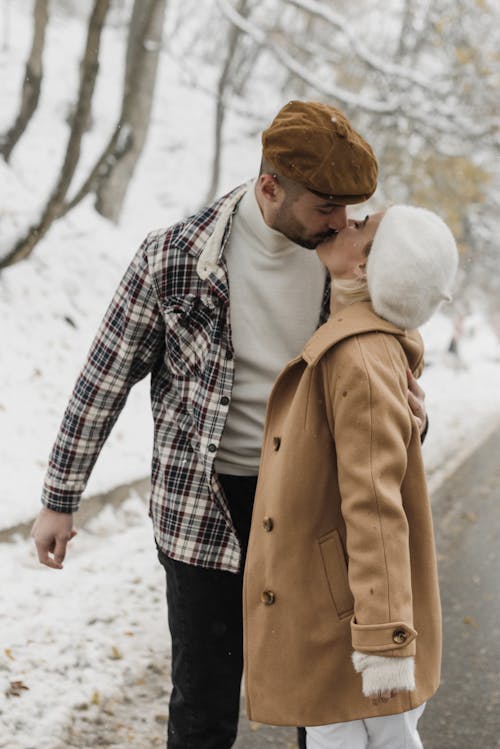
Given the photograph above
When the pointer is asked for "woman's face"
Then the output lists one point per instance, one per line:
(345, 254)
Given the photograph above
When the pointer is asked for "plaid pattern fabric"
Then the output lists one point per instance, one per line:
(167, 321)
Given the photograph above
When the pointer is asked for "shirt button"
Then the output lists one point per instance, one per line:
(267, 597)
(276, 443)
(399, 636)
(212, 448)
(229, 355)
(268, 524)
(224, 400)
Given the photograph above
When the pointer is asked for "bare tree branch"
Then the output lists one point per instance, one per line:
(373, 61)
(111, 174)
(89, 69)
(32, 82)
(336, 92)
(424, 108)
(220, 108)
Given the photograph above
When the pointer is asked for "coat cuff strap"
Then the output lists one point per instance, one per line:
(383, 638)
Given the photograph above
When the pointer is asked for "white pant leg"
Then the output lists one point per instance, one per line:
(395, 731)
(349, 735)
(386, 732)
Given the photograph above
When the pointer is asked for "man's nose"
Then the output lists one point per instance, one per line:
(338, 218)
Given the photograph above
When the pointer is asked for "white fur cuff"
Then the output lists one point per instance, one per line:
(381, 673)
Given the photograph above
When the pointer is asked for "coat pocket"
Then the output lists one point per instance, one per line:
(335, 566)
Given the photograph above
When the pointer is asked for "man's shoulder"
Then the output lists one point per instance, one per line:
(190, 234)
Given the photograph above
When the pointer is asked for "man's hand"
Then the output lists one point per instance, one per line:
(51, 532)
(416, 400)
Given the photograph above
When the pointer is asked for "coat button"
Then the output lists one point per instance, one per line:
(276, 443)
(399, 636)
(268, 524)
(267, 597)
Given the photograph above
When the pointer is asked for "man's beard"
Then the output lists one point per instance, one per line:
(287, 224)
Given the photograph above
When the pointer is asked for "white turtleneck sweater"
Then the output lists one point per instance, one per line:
(276, 288)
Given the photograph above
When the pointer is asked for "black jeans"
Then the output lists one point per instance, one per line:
(206, 626)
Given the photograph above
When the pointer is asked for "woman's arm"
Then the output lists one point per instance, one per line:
(372, 425)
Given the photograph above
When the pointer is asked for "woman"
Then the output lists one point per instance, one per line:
(341, 603)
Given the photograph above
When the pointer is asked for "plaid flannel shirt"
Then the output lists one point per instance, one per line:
(169, 318)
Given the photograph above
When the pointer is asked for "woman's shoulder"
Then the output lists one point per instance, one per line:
(350, 321)
(376, 348)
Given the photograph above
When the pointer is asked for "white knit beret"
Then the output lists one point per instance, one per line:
(411, 266)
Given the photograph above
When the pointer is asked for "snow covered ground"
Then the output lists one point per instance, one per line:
(70, 639)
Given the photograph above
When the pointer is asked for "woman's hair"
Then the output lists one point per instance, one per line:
(349, 291)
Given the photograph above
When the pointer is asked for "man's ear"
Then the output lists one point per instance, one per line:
(269, 187)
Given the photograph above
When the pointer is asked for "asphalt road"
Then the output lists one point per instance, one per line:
(465, 712)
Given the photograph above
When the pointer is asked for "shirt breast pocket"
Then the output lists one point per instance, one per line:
(189, 327)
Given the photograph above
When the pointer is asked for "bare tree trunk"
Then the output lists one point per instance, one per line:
(6, 26)
(128, 140)
(32, 83)
(88, 75)
(220, 112)
(299, 86)
(406, 27)
(114, 168)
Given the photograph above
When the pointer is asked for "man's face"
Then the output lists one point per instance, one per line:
(308, 219)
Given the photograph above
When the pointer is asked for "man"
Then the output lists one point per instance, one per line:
(212, 308)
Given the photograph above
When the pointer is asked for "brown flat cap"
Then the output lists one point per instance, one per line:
(315, 145)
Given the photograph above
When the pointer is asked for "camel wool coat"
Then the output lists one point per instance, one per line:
(341, 554)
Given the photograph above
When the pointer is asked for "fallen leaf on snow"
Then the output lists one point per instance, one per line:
(115, 654)
(15, 689)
